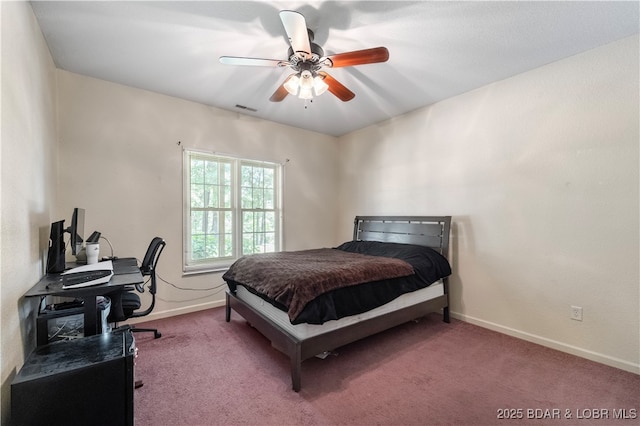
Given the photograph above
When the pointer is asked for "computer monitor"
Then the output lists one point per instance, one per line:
(76, 230)
(55, 258)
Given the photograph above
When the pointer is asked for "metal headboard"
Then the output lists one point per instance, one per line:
(430, 231)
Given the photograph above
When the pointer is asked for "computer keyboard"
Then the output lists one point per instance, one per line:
(87, 278)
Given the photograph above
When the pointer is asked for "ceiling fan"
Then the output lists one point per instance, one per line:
(307, 60)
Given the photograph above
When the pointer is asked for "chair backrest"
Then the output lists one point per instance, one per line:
(148, 267)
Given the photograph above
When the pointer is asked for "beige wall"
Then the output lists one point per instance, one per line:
(28, 154)
(120, 160)
(540, 173)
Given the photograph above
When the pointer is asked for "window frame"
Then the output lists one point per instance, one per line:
(191, 266)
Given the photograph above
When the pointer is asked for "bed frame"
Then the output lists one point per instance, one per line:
(431, 231)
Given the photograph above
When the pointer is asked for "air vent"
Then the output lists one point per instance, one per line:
(246, 108)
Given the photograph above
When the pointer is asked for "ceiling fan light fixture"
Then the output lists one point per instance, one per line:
(319, 86)
(305, 93)
(305, 84)
(306, 80)
(292, 84)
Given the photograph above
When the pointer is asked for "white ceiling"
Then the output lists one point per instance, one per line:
(436, 49)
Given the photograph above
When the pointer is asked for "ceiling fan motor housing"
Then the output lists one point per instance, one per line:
(316, 54)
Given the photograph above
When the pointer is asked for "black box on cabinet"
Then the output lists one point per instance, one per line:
(87, 381)
(68, 323)
(65, 324)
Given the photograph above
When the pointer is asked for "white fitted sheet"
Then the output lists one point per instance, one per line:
(303, 331)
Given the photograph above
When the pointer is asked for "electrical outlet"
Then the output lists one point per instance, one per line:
(576, 313)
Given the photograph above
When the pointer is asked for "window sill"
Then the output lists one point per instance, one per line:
(205, 270)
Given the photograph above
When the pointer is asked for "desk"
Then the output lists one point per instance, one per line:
(126, 273)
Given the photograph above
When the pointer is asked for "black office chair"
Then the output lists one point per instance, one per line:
(126, 304)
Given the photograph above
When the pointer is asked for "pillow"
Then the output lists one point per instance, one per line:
(428, 264)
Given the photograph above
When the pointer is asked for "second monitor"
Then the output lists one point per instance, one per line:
(76, 230)
(57, 247)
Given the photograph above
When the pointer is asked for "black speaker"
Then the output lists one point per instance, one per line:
(56, 256)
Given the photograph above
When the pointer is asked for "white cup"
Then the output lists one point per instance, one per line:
(93, 249)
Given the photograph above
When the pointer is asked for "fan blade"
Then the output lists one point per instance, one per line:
(359, 57)
(337, 88)
(296, 28)
(255, 62)
(280, 92)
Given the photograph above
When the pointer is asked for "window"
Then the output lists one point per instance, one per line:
(232, 208)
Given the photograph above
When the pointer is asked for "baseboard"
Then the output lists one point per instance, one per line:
(178, 311)
(553, 344)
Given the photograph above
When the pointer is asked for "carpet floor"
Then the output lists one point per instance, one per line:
(205, 371)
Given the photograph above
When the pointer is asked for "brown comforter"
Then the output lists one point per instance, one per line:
(295, 278)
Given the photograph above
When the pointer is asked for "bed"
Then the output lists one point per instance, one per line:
(307, 325)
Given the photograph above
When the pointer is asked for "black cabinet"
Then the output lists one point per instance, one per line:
(87, 381)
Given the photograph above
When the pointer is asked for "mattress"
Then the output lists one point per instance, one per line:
(303, 331)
